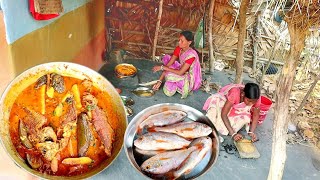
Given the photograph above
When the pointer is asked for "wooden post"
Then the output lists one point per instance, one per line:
(211, 56)
(155, 40)
(284, 86)
(255, 43)
(241, 38)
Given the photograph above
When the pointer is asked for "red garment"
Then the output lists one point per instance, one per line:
(38, 16)
(177, 51)
(234, 97)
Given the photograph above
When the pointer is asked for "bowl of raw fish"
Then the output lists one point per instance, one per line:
(171, 141)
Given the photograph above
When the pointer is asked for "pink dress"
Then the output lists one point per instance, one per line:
(239, 114)
(184, 84)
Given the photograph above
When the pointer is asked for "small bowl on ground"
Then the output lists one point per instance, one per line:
(143, 92)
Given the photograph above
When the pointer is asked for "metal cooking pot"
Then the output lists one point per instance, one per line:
(65, 69)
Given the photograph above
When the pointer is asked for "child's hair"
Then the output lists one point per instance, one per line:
(189, 37)
(251, 91)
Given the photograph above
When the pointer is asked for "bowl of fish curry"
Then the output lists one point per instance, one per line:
(171, 141)
(62, 120)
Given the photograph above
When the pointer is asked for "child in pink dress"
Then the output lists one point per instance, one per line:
(233, 107)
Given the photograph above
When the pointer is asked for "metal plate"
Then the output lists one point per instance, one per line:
(143, 92)
(194, 115)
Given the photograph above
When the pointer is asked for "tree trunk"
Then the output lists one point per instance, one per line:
(241, 38)
(211, 56)
(156, 34)
(284, 85)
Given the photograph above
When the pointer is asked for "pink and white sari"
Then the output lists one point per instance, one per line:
(239, 114)
(186, 83)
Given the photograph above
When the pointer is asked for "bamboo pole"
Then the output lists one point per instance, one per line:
(211, 56)
(255, 43)
(241, 38)
(155, 40)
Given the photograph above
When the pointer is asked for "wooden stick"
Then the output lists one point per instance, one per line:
(306, 97)
(211, 56)
(155, 40)
(242, 35)
(255, 43)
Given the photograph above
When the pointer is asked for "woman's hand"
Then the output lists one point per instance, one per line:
(253, 136)
(237, 137)
(157, 86)
(156, 68)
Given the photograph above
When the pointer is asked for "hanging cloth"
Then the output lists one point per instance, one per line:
(199, 35)
(40, 16)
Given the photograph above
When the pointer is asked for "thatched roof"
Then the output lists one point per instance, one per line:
(303, 13)
(131, 25)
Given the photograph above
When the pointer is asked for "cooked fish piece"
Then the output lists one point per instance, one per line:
(41, 81)
(89, 101)
(162, 119)
(33, 122)
(195, 157)
(34, 161)
(23, 135)
(160, 141)
(103, 128)
(47, 133)
(167, 161)
(48, 149)
(84, 133)
(189, 130)
(87, 84)
(57, 82)
(68, 120)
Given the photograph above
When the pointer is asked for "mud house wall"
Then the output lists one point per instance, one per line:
(76, 35)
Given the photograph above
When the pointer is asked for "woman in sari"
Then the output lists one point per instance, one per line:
(234, 107)
(181, 71)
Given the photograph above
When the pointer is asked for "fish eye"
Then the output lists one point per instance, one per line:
(148, 167)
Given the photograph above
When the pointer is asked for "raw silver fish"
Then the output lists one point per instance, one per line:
(189, 130)
(196, 156)
(149, 152)
(167, 161)
(160, 141)
(162, 119)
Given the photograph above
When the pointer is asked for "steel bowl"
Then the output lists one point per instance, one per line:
(65, 69)
(137, 159)
(120, 74)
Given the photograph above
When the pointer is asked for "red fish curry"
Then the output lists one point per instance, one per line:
(63, 125)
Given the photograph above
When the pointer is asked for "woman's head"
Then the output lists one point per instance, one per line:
(251, 93)
(186, 39)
